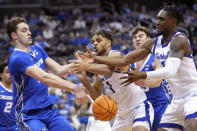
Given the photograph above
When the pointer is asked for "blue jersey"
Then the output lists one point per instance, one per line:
(157, 95)
(28, 93)
(7, 117)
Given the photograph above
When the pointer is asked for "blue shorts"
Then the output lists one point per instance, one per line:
(158, 111)
(9, 128)
(45, 120)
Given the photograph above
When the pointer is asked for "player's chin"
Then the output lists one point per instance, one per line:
(9, 81)
(29, 42)
(159, 32)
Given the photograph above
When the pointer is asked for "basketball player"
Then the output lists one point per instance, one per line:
(135, 112)
(173, 50)
(158, 95)
(30, 93)
(7, 119)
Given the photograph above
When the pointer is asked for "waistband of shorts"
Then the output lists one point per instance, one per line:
(38, 110)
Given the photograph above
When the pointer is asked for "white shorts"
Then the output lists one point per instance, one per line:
(178, 111)
(97, 125)
(142, 115)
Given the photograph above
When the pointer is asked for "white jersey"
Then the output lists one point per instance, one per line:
(185, 80)
(127, 97)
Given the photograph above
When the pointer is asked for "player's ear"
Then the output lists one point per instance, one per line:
(109, 43)
(174, 22)
(13, 35)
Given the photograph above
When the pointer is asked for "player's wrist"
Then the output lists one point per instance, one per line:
(143, 75)
(85, 66)
(75, 89)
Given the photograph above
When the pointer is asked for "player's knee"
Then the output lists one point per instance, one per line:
(190, 125)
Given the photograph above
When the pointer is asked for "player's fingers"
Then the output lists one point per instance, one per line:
(125, 72)
(77, 55)
(73, 61)
(124, 82)
(88, 49)
(128, 83)
(132, 68)
(124, 77)
(74, 67)
(76, 72)
(81, 54)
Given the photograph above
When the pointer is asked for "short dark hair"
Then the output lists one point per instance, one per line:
(11, 25)
(3, 64)
(173, 11)
(135, 30)
(104, 33)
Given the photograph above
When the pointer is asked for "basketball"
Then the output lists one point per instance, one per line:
(104, 108)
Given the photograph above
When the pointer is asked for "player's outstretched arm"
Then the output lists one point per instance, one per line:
(179, 48)
(56, 82)
(95, 91)
(57, 68)
(134, 56)
(83, 65)
(100, 69)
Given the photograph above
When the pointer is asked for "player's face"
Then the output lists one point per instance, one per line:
(139, 38)
(23, 34)
(100, 44)
(163, 23)
(5, 76)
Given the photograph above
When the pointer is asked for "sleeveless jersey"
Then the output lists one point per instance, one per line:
(28, 93)
(127, 97)
(157, 95)
(7, 112)
(185, 80)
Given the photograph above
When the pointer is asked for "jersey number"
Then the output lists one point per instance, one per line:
(8, 107)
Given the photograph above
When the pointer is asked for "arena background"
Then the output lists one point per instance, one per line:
(63, 26)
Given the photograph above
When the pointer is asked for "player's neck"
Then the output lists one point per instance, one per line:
(167, 36)
(22, 47)
(8, 86)
(106, 52)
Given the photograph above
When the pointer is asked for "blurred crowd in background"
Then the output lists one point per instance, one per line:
(65, 31)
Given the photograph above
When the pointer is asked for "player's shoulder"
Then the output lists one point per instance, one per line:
(180, 40)
(181, 37)
(3, 89)
(35, 47)
(18, 56)
(114, 53)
